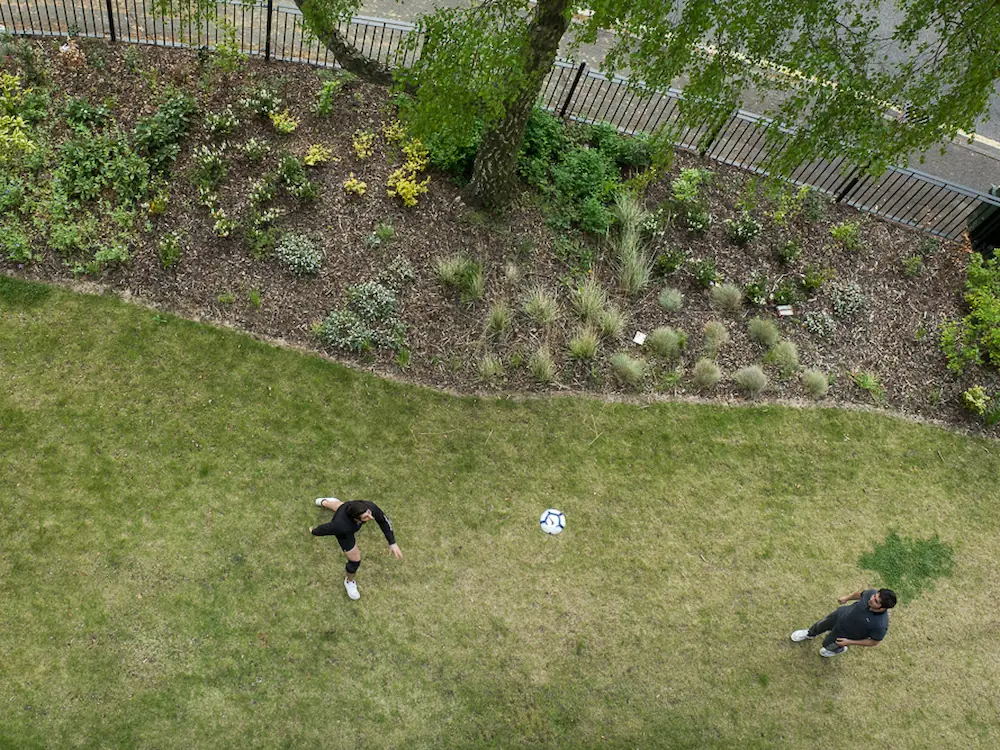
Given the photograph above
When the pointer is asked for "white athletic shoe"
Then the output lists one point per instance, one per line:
(352, 589)
(824, 651)
(319, 501)
(802, 635)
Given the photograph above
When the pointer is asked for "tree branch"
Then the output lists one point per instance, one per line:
(349, 57)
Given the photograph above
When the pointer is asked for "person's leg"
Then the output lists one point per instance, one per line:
(354, 560)
(330, 503)
(824, 625)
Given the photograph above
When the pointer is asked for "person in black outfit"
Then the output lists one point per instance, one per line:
(348, 518)
(864, 623)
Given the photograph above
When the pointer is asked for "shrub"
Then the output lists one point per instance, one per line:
(848, 234)
(354, 186)
(490, 367)
(786, 293)
(975, 400)
(299, 254)
(263, 101)
(756, 291)
(727, 298)
(982, 293)
(329, 90)
(789, 252)
(868, 381)
(958, 343)
(751, 380)
(913, 265)
(589, 300)
(583, 173)
(594, 217)
(157, 137)
(705, 374)
(763, 332)
(372, 300)
(816, 383)
(221, 123)
(256, 150)
(704, 272)
(317, 154)
(542, 366)
(403, 182)
(785, 357)
(541, 306)
(819, 323)
(671, 299)
(82, 114)
(16, 245)
(583, 346)
(666, 342)
(814, 278)
(742, 230)
(498, 318)
(629, 370)
(815, 205)
(716, 336)
(210, 167)
(544, 136)
(847, 298)
(363, 143)
(669, 261)
(399, 273)
(611, 323)
(169, 249)
(369, 320)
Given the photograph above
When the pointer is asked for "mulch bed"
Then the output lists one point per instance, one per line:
(894, 337)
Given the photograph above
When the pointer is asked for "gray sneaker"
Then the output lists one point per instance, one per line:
(824, 651)
(802, 635)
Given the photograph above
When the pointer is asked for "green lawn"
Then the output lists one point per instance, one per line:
(159, 588)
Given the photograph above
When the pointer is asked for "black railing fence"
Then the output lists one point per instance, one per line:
(274, 30)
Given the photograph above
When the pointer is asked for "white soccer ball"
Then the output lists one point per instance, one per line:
(552, 521)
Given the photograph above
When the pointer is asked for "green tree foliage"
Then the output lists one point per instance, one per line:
(834, 66)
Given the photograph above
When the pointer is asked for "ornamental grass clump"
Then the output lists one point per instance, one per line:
(727, 298)
(498, 319)
(763, 332)
(630, 371)
(751, 380)
(716, 337)
(541, 306)
(463, 275)
(816, 383)
(299, 254)
(671, 299)
(666, 343)
(583, 346)
(785, 357)
(706, 374)
(490, 368)
(635, 267)
(589, 300)
(542, 366)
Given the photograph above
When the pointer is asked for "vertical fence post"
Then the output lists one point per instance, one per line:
(111, 21)
(267, 39)
(572, 89)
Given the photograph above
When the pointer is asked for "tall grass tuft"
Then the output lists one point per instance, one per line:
(635, 267)
(785, 357)
(629, 370)
(462, 274)
(498, 319)
(490, 368)
(589, 300)
(727, 298)
(541, 306)
(611, 323)
(666, 343)
(542, 366)
(716, 337)
(751, 380)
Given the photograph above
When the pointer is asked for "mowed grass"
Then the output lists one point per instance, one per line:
(159, 588)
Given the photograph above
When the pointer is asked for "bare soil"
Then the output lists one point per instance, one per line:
(894, 337)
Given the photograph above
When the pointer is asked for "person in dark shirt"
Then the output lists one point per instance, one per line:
(348, 519)
(864, 623)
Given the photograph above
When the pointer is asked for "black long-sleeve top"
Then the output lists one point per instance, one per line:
(344, 528)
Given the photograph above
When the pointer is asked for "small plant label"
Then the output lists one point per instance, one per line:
(639, 338)
(785, 310)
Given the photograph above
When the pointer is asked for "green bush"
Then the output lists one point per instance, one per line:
(669, 262)
(630, 371)
(976, 400)
(814, 278)
(958, 343)
(299, 254)
(847, 234)
(583, 173)
(751, 380)
(80, 113)
(593, 216)
(819, 323)
(743, 229)
(756, 291)
(158, 136)
(544, 136)
(764, 332)
(789, 252)
(666, 343)
(847, 298)
(716, 336)
(169, 249)
(982, 293)
(785, 357)
(704, 272)
(727, 298)
(369, 320)
(15, 245)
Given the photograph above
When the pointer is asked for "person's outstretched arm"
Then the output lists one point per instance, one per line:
(850, 597)
(383, 523)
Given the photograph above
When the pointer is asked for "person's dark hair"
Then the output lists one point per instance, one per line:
(357, 508)
(887, 597)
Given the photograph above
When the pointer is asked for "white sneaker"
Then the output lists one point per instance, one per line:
(352, 589)
(824, 651)
(802, 635)
(319, 501)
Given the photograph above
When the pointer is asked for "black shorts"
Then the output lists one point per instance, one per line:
(347, 542)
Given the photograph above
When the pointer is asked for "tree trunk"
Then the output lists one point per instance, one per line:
(494, 176)
(347, 55)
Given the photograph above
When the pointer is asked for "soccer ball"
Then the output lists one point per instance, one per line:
(552, 521)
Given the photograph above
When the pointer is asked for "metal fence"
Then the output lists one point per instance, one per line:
(272, 30)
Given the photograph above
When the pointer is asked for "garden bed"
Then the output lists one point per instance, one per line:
(890, 344)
